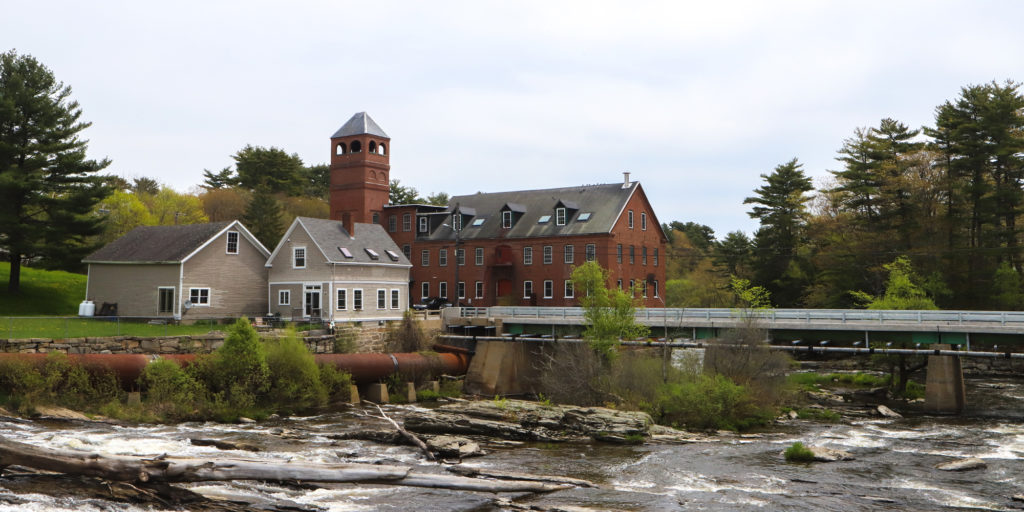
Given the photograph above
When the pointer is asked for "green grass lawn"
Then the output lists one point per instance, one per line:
(41, 327)
(43, 292)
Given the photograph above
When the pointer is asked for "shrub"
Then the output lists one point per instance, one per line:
(236, 374)
(171, 393)
(336, 383)
(797, 452)
(407, 335)
(572, 373)
(294, 376)
(710, 402)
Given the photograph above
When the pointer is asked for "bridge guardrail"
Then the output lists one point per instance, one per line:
(665, 315)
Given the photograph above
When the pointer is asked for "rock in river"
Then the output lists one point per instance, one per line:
(962, 464)
(822, 454)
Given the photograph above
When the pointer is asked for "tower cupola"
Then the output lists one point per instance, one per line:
(360, 153)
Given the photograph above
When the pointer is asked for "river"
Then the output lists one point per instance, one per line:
(893, 470)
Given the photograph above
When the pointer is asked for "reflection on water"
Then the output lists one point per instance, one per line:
(893, 470)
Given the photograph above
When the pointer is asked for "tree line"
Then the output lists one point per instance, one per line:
(930, 211)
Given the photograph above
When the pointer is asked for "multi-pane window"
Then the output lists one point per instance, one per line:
(655, 288)
(460, 257)
(357, 299)
(376, 218)
(342, 299)
(527, 289)
(629, 218)
(407, 222)
(442, 289)
(394, 299)
(643, 255)
(392, 223)
(232, 242)
(569, 289)
(643, 221)
(165, 299)
(382, 299)
(479, 289)
(591, 252)
(570, 253)
(479, 251)
(632, 255)
(199, 296)
(299, 257)
(422, 224)
(549, 288)
(506, 219)
(460, 289)
(618, 253)
(457, 221)
(655, 256)
(527, 255)
(425, 258)
(559, 216)
(442, 257)
(284, 298)
(424, 289)
(548, 254)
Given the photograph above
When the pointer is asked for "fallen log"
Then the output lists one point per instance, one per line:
(171, 469)
(492, 473)
(412, 438)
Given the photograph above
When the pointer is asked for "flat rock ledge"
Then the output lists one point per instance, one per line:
(968, 464)
(530, 421)
(822, 454)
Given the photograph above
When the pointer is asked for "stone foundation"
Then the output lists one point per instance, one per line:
(195, 344)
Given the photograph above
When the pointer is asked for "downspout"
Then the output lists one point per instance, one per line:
(88, 274)
(181, 293)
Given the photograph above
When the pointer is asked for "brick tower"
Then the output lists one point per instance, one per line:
(360, 151)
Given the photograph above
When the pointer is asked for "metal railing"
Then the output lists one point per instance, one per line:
(808, 316)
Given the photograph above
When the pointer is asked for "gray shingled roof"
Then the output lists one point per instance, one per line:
(157, 244)
(360, 124)
(330, 235)
(603, 202)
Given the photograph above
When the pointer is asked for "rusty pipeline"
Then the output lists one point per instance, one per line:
(364, 368)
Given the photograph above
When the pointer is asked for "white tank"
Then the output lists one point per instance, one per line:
(87, 308)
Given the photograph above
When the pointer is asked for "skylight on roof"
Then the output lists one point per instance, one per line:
(392, 255)
(477, 222)
(543, 219)
(345, 252)
(583, 217)
(372, 253)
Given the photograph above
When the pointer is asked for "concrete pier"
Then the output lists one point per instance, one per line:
(944, 388)
(502, 368)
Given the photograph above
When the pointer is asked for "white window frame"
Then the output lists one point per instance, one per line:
(357, 299)
(382, 298)
(284, 297)
(629, 217)
(423, 225)
(549, 288)
(569, 252)
(424, 289)
(442, 290)
(341, 299)
(479, 254)
(569, 290)
(406, 222)
(527, 289)
(460, 257)
(655, 288)
(227, 248)
(643, 221)
(295, 257)
(548, 252)
(442, 257)
(460, 289)
(479, 289)
(506, 219)
(591, 252)
(560, 216)
(527, 255)
(199, 294)
(396, 299)
(425, 258)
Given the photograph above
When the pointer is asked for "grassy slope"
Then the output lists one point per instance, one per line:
(43, 292)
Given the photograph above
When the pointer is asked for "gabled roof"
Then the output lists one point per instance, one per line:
(331, 237)
(165, 244)
(360, 124)
(604, 203)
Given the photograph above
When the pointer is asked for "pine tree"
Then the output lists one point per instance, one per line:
(263, 218)
(48, 189)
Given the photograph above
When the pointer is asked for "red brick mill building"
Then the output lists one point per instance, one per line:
(501, 248)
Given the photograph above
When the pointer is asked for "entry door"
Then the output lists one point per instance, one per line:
(312, 301)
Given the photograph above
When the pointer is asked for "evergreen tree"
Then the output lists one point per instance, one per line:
(224, 179)
(398, 194)
(782, 212)
(48, 189)
(263, 218)
(272, 168)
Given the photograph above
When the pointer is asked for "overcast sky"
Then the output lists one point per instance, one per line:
(695, 99)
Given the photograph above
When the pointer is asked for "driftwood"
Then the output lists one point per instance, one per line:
(405, 433)
(491, 473)
(171, 469)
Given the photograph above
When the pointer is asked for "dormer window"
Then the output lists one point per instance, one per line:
(457, 221)
(506, 219)
(423, 225)
(559, 216)
(371, 253)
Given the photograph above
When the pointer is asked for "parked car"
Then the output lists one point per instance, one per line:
(432, 304)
